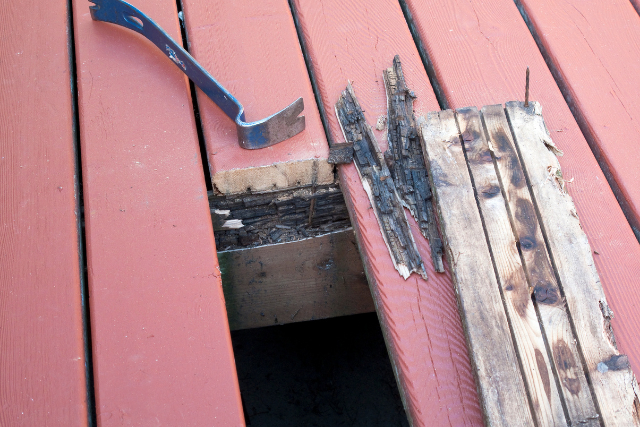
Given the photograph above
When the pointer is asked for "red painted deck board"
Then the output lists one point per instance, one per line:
(42, 365)
(593, 46)
(252, 49)
(356, 41)
(161, 345)
(480, 50)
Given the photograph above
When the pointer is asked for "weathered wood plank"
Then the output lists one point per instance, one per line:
(493, 47)
(161, 344)
(405, 161)
(42, 361)
(309, 279)
(499, 379)
(544, 286)
(252, 49)
(355, 41)
(523, 321)
(613, 382)
(381, 189)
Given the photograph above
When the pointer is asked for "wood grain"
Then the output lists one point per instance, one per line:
(554, 318)
(534, 361)
(315, 278)
(613, 382)
(356, 41)
(42, 363)
(161, 344)
(499, 379)
(492, 48)
(252, 49)
(604, 39)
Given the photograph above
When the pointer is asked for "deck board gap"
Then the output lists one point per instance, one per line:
(206, 167)
(82, 241)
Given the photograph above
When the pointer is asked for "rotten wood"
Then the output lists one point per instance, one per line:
(553, 314)
(278, 217)
(405, 161)
(500, 384)
(381, 190)
(309, 279)
(614, 385)
(537, 371)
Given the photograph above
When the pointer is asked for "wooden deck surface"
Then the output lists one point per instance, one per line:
(159, 332)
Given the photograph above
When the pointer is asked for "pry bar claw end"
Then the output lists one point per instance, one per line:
(262, 133)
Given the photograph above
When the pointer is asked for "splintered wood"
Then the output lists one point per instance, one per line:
(535, 315)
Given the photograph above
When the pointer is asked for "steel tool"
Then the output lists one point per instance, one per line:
(262, 133)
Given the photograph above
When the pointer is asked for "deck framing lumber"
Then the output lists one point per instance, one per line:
(42, 354)
(161, 343)
(315, 278)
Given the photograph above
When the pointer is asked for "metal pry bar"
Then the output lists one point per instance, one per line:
(262, 133)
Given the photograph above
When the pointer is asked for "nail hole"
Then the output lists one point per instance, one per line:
(137, 22)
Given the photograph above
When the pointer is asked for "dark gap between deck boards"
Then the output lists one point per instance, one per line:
(582, 123)
(424, 55)
(555, 272)
(311, 72)
(82, 244)
(495, 269)
(194, 102)
(332, 372)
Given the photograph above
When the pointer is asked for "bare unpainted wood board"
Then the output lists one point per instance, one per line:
(532, 353)
(493, 47)
(309, 279)
(405, 161)
(614, 385)
(552, 312)
(500, 384)
(252, 49)
(380, 187)
(42, 358)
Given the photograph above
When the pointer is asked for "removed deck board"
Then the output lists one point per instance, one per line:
(500, 384)
(493, 47)
(161, 344)
(578, 335)
(309, 279)
(42, 361)
(252, 49)
(356, 41)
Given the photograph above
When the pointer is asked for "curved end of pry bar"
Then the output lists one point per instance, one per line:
(272, 130)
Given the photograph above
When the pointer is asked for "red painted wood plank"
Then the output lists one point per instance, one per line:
(356, 41)
(42, 372)
(161, 345)
(592, 47)
(252, 48)
(480, 50)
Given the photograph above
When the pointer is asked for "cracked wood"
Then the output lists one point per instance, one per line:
(380, 189)
(405, 161)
